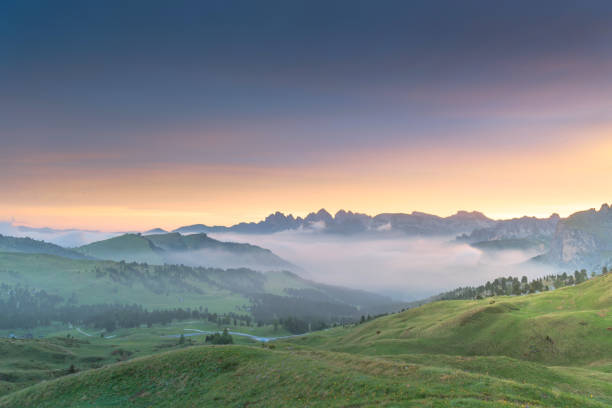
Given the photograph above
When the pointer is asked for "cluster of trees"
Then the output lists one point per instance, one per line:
(162, 279)
(300, 315)
(219, 338)
(297, 325)
(367, 318)
(24, 308)
(515, 286)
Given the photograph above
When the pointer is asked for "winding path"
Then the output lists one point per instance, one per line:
(196, 332)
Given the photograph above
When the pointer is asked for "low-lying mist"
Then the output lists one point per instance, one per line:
(69, 238)
(217, 258)
(405, 268)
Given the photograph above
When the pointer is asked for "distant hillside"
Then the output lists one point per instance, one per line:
(526, 233)
(193, 250)
(347, 222)
(127, 247)
(91, 282)
(31, 246)
(520, 244)
(156, 231)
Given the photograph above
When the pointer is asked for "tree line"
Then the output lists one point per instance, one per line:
(513, 286)
(25, 308)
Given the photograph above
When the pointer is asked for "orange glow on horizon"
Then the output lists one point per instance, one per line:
(564, 178)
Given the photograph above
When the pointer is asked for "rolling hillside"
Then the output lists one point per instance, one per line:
(31, 246)
(127, 247)
(192, 250)
(570, 326)
(239, 376)
(543, 350)
(171, 286)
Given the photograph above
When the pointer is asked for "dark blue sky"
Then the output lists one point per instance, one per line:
(277, 83)
(76, 72)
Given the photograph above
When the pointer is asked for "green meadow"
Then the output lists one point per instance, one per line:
(552, 349)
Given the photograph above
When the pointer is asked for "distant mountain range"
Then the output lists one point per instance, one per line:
(349, 223)
(584, 239)
(523, 233)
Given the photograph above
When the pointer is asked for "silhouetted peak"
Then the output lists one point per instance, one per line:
(469, 215)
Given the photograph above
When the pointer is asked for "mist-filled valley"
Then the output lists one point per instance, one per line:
(406, 268)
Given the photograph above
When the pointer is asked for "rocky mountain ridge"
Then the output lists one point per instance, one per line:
(584, 238)
(348, 223)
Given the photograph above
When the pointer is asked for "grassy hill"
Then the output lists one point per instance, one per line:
(54, 349)
(192, 250)
(238, 376)
(552, 349)
(127, 247)
(95, 282)
(30, 246)
(570, 326)
(170, 286)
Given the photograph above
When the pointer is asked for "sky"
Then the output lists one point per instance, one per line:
(122, 115)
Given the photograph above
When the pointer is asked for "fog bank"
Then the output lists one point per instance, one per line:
(68, 238)
(406, 268)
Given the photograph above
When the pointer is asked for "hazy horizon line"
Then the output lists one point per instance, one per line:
(297, 214)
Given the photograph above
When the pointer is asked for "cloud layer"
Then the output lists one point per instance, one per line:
(67, 238)
(402, 267)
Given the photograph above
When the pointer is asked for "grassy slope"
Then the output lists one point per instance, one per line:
(26, 362)
(565, 326)
(128, 247)
(170, 248)
(28, 245)
(446, 354)
(226, 291)
(238, 376)
(63, 277)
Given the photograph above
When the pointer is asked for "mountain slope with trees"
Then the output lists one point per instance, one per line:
(31, 246)
(193, 250)
(36, 289)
